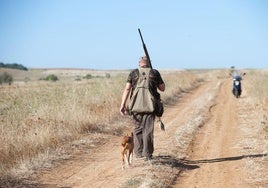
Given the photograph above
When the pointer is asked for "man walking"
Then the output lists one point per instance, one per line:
(144, 120)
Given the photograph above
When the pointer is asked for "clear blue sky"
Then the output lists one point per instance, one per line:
(104, 34)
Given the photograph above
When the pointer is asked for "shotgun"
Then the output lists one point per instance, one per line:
(145, 50)
(161, 124)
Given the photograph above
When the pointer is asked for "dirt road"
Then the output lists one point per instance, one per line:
(198, 149)
(214, 148)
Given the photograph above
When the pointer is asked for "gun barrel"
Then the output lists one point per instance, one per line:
(145, 49)
(141, 36)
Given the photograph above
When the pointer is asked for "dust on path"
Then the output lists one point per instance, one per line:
(211, 161)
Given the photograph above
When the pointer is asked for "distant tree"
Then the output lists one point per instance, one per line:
(13, 66)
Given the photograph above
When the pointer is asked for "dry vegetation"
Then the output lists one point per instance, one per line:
(255, 84)
(38, 117)
(255, 126)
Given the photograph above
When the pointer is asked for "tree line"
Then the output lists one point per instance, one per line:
(13, 66)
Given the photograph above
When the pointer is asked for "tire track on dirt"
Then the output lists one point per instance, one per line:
(189, 114)
(101, 167)
(214, 149)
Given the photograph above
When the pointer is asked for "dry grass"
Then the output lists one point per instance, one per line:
(255, 126)
(38, 117)
(42, 116)
(256, 86)
(178, 82)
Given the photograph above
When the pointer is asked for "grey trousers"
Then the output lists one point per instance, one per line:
(144, 135)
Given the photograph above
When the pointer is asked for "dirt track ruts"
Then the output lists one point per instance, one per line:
(214, 149)
(198, 149)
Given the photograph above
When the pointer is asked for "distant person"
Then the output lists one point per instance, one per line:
(237, 78)
(144, 121)
(237, 89)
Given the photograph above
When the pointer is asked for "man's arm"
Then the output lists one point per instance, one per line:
(124, 98)
(160, 83)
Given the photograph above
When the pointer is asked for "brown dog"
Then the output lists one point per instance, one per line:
(127, 149)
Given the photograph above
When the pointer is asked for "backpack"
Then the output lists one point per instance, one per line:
(141, 100)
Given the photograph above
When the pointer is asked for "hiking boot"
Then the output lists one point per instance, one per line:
(148, 158)
(138, 156)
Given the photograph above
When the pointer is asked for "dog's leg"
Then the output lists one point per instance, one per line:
(131, 157)
(127, 155)
(127, 159)
(123, 158)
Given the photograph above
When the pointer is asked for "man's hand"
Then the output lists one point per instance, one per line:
(124, 99)
(122, 110)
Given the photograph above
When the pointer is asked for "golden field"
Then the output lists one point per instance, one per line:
(38, 117)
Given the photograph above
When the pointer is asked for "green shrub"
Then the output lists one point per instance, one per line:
(107, 75)
(51, 77)
(88, 76)
(6, 78)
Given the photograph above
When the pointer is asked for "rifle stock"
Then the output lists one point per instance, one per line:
(145, 50)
